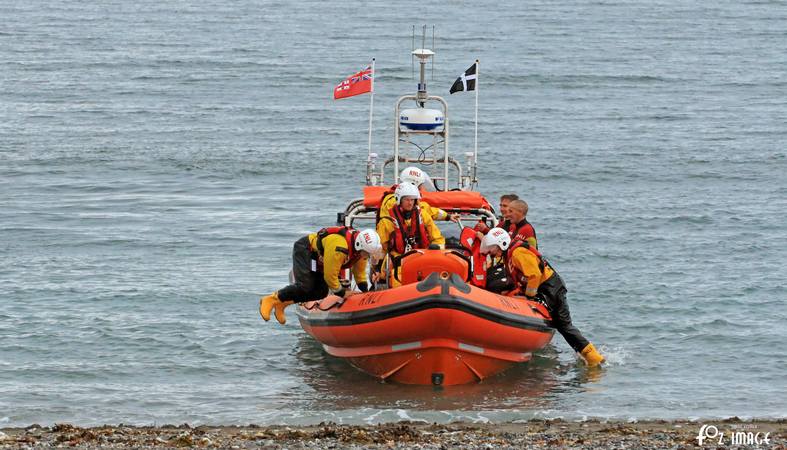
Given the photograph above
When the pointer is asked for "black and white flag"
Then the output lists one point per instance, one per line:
(466, 81)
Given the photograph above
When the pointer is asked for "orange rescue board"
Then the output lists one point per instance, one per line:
(372, 195)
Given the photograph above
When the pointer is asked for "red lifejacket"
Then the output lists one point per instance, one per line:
(349, 235)
(513, 271)
(519, 231)
(472, 245)
(415, 235)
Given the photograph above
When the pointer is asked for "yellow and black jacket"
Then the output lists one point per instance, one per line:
(527, 268)
(332, 252)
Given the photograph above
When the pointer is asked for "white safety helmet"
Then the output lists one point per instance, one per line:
(406, 190)
(369, 241)
(495, 237)
(413, 175)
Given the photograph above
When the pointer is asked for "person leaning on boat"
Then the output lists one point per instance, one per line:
(421, 180)
(317, 262)
(537, 280)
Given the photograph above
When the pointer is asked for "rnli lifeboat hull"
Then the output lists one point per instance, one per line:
(438, 331)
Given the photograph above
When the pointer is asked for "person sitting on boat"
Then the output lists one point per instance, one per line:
(514, 221)
(406, 225)
(317, 262)
(482, 227)
(418, 177)
(537, 280)
(517, 225)
(421, 180)
(505, 201)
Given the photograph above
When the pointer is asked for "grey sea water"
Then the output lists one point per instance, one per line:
(158, 159)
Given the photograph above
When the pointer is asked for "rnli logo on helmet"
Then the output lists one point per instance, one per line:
(498, 233)
(367, 238)
(414, 173)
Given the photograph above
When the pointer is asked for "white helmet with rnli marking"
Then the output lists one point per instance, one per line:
(496, 237)
(413, 175)
(369, 241)
(406, 190)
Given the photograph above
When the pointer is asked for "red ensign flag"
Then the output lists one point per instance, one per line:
(359, 83)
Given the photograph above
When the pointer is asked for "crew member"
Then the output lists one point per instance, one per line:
(421, 180)
(537, 280)
(482, 227)
(317, 262)
(506, 200)
(407, 226)
(418, 177)
(517, 225)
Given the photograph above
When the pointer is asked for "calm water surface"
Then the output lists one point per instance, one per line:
(158, 160)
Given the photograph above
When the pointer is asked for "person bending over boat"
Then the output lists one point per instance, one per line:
(406, 226)
(421, 180)
(537, 280)
(317, 262)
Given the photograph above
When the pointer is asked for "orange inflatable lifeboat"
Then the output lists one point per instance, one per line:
(434, 329)
(439, 325)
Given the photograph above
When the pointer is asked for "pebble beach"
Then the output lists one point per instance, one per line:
(531, 434)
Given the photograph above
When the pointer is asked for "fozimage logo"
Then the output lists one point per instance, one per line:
(712, 435)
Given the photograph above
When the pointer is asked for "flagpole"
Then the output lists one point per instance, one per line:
(475, 151)
(371, 108)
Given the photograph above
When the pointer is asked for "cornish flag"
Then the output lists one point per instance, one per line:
(466, 81)
(355, 84)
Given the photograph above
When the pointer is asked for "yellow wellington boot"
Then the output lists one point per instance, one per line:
(279, 311)
(267, 304)
(592, 357)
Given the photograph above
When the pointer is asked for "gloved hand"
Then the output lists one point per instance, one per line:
(349, 292)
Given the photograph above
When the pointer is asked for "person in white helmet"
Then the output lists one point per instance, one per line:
(406, 226)
(537, 280)
(421, 180)
(418, 177)
(317, 262)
